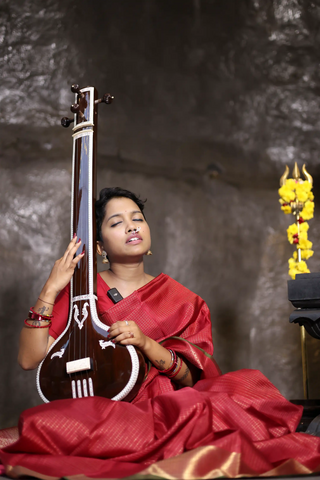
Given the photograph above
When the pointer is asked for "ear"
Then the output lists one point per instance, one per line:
(99, 248)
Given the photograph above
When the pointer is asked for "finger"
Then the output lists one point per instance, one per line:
(114, 332)
(71, 246)
(70, 255)
(121, 327)
(77, 259)
(127, 323)
(73, 242)
(125, 336)
(129, 341)
(120, 332)
(116, 326)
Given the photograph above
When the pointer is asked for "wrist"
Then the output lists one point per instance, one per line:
(49, 292)
(147, 347)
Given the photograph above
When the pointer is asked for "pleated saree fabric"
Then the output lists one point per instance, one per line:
(237, 424)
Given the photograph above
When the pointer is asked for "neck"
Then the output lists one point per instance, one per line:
(129, 273)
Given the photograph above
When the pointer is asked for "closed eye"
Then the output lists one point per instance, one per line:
(134, 219)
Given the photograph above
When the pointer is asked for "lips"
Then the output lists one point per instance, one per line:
(134, 238)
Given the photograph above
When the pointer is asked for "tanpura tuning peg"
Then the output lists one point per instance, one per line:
(75, 108)
(107, 98)
(65, 121)
(75, 88)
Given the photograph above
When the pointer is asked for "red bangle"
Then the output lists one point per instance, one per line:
(175, 373)
(29, 325)
(173, 365)
(37, 316)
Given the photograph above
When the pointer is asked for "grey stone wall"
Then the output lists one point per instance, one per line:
(202, 83)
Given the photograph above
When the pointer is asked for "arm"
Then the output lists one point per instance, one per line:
(35, 342)
(161, 359)
(120, 332)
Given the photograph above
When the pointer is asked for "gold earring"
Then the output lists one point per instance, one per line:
(104, 257)
(149, 252)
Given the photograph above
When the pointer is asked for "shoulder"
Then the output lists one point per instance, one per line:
(150, 277)
(181, 291)
(103, 277)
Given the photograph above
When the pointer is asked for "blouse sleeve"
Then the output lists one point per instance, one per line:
(60, 313)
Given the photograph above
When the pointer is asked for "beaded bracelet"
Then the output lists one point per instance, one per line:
(37, 316)
(29, 325)
(176, 371)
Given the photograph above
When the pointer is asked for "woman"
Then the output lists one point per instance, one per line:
(187, 420)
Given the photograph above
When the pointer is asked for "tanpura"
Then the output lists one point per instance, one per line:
(82, 362)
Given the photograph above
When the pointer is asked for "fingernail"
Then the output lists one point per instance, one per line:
(74, 235)
(83, 251)
(79, 240)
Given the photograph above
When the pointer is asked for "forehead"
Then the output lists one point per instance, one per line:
(120, 205)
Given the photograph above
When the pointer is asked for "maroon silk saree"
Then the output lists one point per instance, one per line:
(237, 424)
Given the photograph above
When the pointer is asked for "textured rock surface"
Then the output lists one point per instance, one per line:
(233, 84)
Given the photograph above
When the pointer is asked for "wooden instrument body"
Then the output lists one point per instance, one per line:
(82, 362)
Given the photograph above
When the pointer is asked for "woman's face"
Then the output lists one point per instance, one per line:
(121, 240)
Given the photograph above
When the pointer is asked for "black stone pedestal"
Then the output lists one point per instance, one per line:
(309, 318)
(304, 294)
(311, 409)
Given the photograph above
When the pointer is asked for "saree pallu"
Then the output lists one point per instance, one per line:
(237, 424)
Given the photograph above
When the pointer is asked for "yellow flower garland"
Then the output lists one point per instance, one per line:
(296, 197)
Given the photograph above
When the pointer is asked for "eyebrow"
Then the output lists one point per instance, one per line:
(119, 214)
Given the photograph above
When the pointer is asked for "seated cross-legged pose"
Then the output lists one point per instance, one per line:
(187, 420)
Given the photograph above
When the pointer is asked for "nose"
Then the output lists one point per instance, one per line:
(131, 227)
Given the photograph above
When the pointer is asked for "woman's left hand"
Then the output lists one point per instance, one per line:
(127, 333)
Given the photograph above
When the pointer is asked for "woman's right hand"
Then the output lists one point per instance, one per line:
(63, 268)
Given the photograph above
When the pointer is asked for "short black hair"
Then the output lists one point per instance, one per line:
(106, 195)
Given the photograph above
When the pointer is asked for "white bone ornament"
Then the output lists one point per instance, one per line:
(58, 354)
(106, 343)
(76, 314)
(84, 314)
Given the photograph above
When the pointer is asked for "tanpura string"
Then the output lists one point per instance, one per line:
(86, 245)
(81, 229)
(87, 248)
(87, 290)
